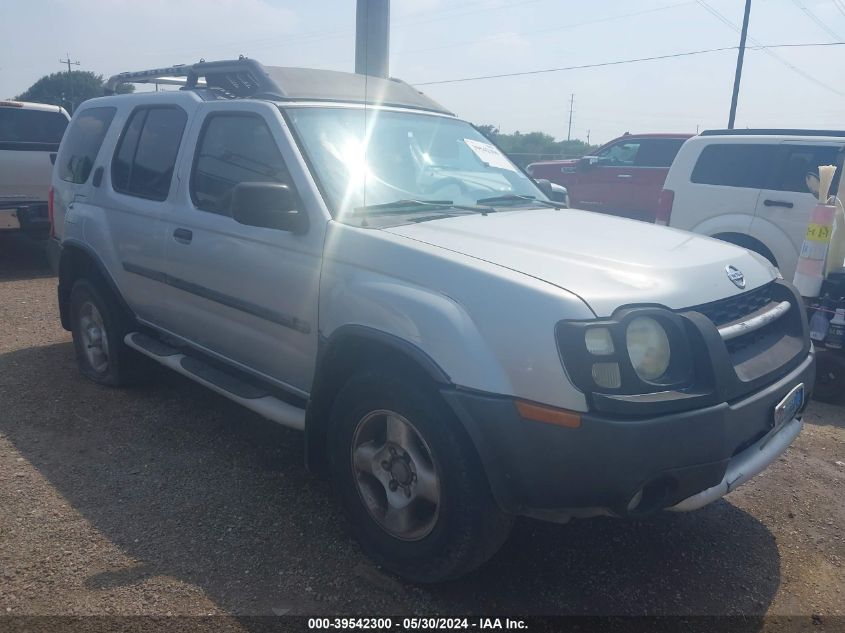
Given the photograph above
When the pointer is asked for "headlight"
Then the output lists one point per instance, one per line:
(648, 348)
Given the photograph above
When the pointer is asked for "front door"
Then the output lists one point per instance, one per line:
(783, 209)
(244, 293)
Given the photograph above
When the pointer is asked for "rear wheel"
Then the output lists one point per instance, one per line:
(409, 479)
(98, 326)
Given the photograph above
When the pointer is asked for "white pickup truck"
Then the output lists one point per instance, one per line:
(344, 256)
(29, 139)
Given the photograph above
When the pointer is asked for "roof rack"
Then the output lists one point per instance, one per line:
(248, 78)
(237, 78)
(773, 132)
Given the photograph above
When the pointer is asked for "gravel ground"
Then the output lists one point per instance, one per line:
(167, 499)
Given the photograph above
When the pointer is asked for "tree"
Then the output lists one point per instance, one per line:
(68, 90)
(533, 146)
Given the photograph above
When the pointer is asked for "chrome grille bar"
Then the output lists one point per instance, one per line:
(759, 320)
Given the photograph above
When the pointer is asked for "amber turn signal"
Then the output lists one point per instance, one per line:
(549, 415)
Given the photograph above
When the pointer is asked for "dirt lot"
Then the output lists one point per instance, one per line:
(168, 499)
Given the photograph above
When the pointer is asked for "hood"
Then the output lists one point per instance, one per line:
(607, 261)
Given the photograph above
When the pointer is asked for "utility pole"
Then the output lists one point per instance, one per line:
(588, 137)
(740, 56)
(69, 78)
(372, 37)
(569, 131)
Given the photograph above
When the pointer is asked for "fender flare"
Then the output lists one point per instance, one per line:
(69, 246)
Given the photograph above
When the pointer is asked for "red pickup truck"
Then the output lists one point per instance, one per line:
(624, 177)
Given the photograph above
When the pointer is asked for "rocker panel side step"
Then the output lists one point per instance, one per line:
(217, 380)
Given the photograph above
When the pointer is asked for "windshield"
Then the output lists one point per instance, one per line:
(362, 158)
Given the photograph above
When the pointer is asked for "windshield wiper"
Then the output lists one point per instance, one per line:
(399, 206)
(513, 197)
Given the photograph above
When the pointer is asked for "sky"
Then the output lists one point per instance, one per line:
(437, 40)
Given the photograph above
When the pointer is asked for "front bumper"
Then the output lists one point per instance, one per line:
(619, 466)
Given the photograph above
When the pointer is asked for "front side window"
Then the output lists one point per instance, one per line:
(378, 157)
(735, 165)
(800, 170)
(146, 155)
(233, 148)
(82, 144)
(622, 154)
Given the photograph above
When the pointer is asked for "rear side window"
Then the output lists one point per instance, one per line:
(735, 165)
(83, 143)
(23, 126)
(146, 155)
(657, 152)
(233, 148)
(802, 161)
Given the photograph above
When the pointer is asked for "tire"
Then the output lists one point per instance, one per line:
(98, 326)
(438, 540)
(830, 377)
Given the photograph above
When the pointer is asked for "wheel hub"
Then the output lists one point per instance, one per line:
(395, 475)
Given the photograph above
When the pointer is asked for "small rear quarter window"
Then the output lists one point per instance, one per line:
(82, 144)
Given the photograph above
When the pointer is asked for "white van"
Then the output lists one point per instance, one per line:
(749, 187)
(30, 134)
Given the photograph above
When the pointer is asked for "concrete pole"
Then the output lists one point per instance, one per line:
(372, 37)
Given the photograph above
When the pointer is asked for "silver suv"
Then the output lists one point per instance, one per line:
(344, 256)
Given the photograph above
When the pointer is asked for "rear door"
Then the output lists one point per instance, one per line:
(784, 205)
(651, 165)
(135, 191)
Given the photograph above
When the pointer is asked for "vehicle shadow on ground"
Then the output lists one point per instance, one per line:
(200, 490)
(22, 258)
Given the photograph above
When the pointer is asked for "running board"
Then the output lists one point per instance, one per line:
(226, 384)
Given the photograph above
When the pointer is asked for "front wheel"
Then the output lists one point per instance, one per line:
(409, 480)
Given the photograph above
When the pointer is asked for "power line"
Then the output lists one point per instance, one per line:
(579, 67)
(816, 19)
(839, 5)
(760, 46)
(764, 48)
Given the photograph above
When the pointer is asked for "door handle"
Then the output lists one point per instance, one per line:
(623, 175)
(778, 203)
(183, 236)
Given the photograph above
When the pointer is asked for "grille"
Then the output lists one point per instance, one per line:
(735, 308)
(738, 307)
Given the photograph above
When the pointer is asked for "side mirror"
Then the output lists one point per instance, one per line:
(267, 205)
(545, 186)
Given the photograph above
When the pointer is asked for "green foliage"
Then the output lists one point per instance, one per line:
(533, 146)
(66, 90)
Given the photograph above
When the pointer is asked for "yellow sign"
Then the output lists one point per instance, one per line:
(818, 232)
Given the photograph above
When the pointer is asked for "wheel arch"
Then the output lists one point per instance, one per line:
(347, 350)
(79, 260)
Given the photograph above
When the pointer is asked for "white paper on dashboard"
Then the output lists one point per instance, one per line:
(489, 154)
